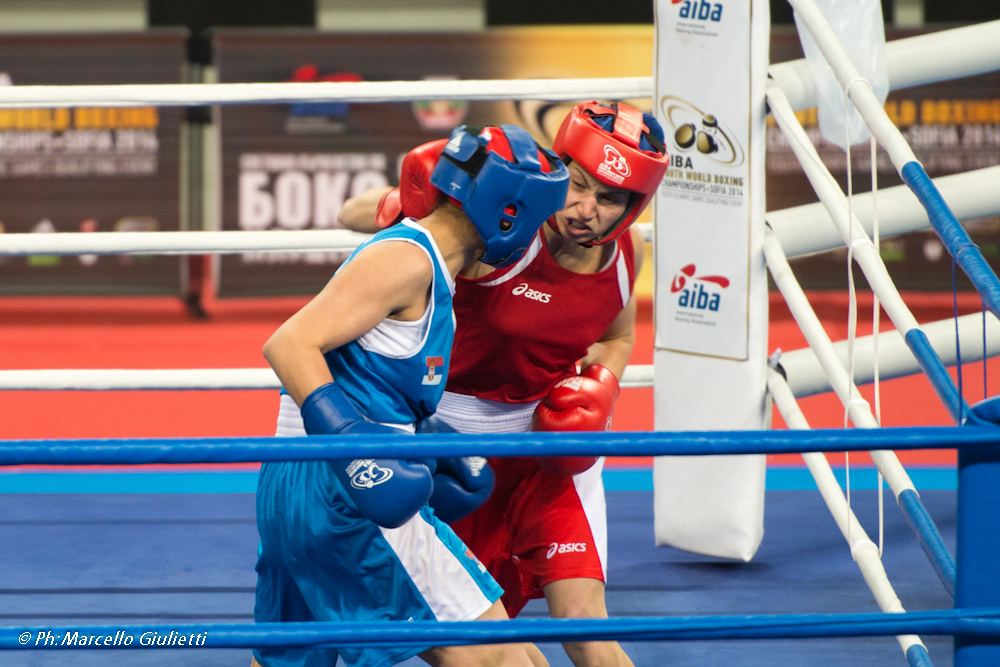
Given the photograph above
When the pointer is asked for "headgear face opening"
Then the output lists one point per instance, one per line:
(621, 147)
(506, 184)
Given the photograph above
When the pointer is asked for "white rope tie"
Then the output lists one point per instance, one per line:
(852, 309)
(876, 313)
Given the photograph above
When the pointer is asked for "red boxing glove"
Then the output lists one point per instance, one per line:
(415, 197)
(390, 209)
(582, 403)
(416, 194)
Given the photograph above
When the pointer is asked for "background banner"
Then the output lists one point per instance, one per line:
(292, 166)
(90, 169)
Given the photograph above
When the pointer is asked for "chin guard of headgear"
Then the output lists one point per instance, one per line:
(621, 147)
(506, 184)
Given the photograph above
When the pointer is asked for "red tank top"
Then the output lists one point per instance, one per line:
(524, 328)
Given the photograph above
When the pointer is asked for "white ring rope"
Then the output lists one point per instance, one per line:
(200, 94)
(806, 376)
(118, 379)
(808, 229)
(911, 62)
(914, 61)
(866, 554)
(191, 243)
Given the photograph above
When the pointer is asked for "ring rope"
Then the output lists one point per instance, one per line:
(201, 94)
(805, 375)
(635, 376)
(188, 243)
(913, 61)
(808, 229)
(976, 622)
(131, 451)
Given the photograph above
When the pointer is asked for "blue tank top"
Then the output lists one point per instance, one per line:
(396, 373)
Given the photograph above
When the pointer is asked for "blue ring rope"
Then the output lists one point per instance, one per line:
(929, 538)
(954, 237)
(980, 623)
(939, 376)
(313, 448)
(917, 656)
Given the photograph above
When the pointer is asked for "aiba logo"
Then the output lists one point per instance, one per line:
(567, 548)
(615, 166)
(532, 294)
(433, 377)
(696, 131)
(695, 295)
(365, 473)
(699, 10)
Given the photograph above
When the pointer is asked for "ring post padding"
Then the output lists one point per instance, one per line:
(953, 235)
(978, 547)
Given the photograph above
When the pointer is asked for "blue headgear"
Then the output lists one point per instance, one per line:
(506, 200)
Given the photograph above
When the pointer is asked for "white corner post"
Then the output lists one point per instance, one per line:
(710, 363)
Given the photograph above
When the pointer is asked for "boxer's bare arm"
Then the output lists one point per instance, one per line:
(614, 347)
(358, 213)
(389, 279)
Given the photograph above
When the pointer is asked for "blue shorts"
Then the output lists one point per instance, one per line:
(321, 560)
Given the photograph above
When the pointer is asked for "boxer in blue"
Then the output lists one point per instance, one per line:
(356, 539)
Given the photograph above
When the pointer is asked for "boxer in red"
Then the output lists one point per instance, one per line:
(522, 332)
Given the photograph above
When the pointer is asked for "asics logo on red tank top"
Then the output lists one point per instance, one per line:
(567, 548)
(365, 474)
(615, 166)
(529, 293)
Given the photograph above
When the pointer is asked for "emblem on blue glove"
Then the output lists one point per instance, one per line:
(365, 473)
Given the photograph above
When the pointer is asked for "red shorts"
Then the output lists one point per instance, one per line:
(534, 530)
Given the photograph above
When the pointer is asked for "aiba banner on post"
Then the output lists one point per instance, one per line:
(703, 205)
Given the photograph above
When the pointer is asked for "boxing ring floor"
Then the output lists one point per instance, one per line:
(126, 557)
(144, 558)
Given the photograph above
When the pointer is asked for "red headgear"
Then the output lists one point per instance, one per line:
(619, 146)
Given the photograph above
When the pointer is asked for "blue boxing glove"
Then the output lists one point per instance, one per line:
(387, 491)
(461, 483)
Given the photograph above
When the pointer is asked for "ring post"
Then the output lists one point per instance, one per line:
(978, 548)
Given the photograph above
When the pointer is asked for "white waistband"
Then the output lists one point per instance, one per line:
(469, 414)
